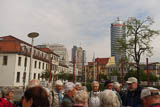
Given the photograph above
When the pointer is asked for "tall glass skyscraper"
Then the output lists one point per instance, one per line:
(117, 32)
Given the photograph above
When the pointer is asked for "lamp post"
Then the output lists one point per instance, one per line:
(31, 35)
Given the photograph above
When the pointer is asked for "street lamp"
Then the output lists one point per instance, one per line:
(31, 35)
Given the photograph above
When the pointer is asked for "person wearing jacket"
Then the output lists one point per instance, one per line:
(69, 94)
(93, 100)
(57, 94)
(132, 97)
(7, 96)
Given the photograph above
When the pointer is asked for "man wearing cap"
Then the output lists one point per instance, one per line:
(132, 97)
(150, 97)
(69, 94)
(57, 94)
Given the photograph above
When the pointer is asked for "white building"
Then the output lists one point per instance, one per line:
(15, 61)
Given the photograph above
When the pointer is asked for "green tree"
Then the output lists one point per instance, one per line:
(143, 77)
(45, 75)
(138, 38)
(64, 76)
(116, 73)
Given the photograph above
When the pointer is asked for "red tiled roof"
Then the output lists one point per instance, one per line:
(102, 60)
(47, 50)
(12, 44)
(9, 46)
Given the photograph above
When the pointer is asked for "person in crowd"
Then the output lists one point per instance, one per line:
(69, 94)
(84, 88)
(35, 97)
(119, 92)
(78, 86)
(110, 86)
(81, 99)
(57, 94)
(33, 83)
(7, 97)
(109, 99)
(132, 97)
(93, 100)
(117, 87)
(150, 97)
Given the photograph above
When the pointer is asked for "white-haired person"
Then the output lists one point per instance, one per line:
(118, 92)
(78, 86)
(81, 99)
(69, 94)
(93, 100)
(57, 94)
(108, 98)
(33, 83)
(150, 97)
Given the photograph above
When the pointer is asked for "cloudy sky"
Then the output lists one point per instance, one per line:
(84, 23)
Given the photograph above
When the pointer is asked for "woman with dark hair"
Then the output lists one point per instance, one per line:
(35, 97)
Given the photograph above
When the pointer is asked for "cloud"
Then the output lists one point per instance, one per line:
(84, 23)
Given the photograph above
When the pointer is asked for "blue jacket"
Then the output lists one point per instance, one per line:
(132, 98)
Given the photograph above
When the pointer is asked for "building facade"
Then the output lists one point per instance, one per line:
(15, 61)
(79, 58)
(117, 33)
(99, 67)
(58, 49)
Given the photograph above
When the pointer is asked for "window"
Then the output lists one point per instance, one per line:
(39, 65)
(35, 64)
(19, 61)
(5, 59)
(43, 66)
(34, 76)
(25, 62)
(18, 77)
(38, 76)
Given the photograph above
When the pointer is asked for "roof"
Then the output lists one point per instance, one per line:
(102, 60)
(90, 63)
(13, 44)
(47, 50)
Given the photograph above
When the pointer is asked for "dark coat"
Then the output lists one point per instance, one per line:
(67, 101)
(132, 98)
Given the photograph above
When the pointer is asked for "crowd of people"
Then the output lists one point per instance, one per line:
(75, 95)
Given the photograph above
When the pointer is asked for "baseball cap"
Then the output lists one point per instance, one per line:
(132, 80)
(149, 91)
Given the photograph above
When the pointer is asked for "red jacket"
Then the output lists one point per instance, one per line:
(5, 103)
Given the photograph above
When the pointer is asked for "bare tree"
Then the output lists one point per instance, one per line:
(138, 38)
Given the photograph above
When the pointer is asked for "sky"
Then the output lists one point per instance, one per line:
(84, 23)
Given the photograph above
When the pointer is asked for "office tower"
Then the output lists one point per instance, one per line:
(58, 49)
(117, 33)
(79, 56)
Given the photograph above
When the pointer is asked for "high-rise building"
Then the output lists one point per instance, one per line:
(117, 33)
(79, 56)
(58, 49)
